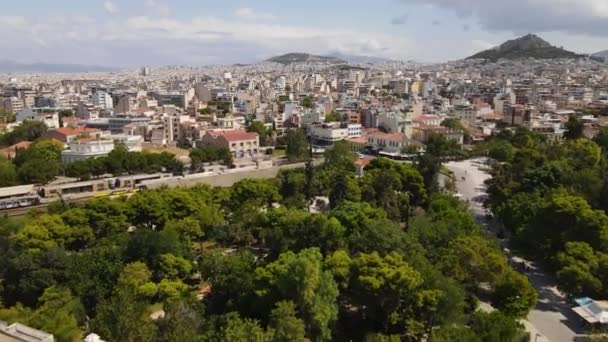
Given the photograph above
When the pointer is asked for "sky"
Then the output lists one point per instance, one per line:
(133, 33)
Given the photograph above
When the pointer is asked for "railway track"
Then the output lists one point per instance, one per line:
(22, 211)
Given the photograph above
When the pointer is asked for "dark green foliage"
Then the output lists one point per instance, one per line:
(210, 154)
(574, 128)
(263, 132)
(549, 196)
(390, 261)
(27, 131)
(297, 145)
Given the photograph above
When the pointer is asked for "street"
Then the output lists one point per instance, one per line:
(552, 319)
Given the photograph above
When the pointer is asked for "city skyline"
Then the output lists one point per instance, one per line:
(130, 33)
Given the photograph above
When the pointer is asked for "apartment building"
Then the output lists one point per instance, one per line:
(391, 142)
(242, 144)
(330, 133)
(85, 148)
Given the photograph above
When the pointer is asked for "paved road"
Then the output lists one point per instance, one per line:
(552, 319)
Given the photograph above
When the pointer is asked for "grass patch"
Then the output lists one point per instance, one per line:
(278, 153)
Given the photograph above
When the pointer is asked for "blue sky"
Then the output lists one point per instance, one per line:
(129, 33)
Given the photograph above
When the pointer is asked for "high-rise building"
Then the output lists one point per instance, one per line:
(102, 99)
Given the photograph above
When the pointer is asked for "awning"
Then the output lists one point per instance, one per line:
(585, 314)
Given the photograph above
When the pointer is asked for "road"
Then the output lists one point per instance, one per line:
(552, 319)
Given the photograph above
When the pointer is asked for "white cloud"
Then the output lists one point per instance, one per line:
(17, 22)
(589, 17)
(110, 7)
(160, 9)
(168, 40)
(480, 45)
(250, 14)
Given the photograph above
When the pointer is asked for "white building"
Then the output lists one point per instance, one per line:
(329, 134)
(83, 149)
(51, 120)
(391, 142)
(395, 122)
(466, 113)
(101, 98)
(172, 126)
(132, 142)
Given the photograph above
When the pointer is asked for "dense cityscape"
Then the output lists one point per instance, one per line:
(308, 198)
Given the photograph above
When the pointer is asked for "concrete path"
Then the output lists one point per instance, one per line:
(552, 319)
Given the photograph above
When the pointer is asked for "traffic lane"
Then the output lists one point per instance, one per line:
(552, 318)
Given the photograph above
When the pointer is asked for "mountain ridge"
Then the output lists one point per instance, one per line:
(301, 57)
(528, 46)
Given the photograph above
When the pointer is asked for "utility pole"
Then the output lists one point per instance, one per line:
(309, 173)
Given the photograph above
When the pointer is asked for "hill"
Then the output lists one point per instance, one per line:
(602, 55)
(528, 46)
(297, 57)
(9, 66)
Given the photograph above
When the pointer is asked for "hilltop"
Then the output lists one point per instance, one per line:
(528, 46)
(298, 57)
(602, 55)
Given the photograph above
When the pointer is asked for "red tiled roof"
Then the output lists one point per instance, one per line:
(11, 150)
(362, 162)
(75, 130)
(234, 135)
(358, 140)
(427, 117)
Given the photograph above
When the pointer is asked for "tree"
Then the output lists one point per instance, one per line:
(284, 230)
(262, 131)
(182, 322)
(514, 295)
(57, 315)
(28, 130)
(79, 169)
(579, 269)
(8, 173)
(333, 117)
(379, 187)
(66, 113)
(40, 163)
(502, 151)
(340, 158)
(233, 281)
(300, 278)
(574, 128)
(287, 327)
(123, 318)
(307, 102)
(6, 116)
(345, 189)
(473, 261)
(297, 145)
(232, 328)
(38, 171)
(253, 194)
(497, 327)
(137, 277)
(49, 231)
(452, 123)
(601, 139)
(385, 288)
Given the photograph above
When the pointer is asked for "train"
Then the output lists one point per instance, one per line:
(30, 195)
